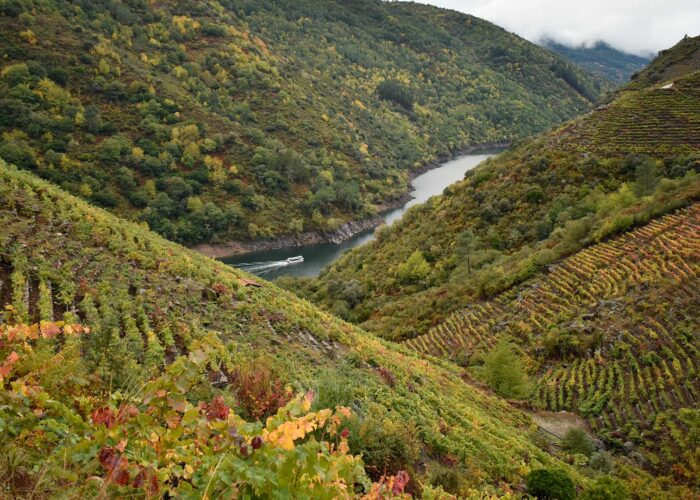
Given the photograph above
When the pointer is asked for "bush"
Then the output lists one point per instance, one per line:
(414, 270)
(577, 441)
(504, 371)
(552, 484)
(387, 446)
(258, 390)
(334, 388)
(395, 92)
(601, 462)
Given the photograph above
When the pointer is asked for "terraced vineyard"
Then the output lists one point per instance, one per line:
(614, 332)
(657, 120)
(148, 301)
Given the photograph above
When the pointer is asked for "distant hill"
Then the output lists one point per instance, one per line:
(244, 120)
(675, 62)
(601, 59)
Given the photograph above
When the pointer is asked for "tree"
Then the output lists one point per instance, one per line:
(93, 121)
(415, 269)
(394, 91)
(466, 244)
(551, 484)
(577, 441)
(647, 177)
(504, 371)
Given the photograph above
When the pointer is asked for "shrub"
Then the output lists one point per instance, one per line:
(504, 371)
(447, 478)
(258, 390)
(333, 389)
(552, 484)
(601, 462)
(414, 270)
(387, 446)
(577, 441)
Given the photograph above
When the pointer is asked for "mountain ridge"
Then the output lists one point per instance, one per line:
(600, 58)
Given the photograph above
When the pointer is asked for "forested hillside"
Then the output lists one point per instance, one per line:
(601, 59)
(247, 119)
(617, 167)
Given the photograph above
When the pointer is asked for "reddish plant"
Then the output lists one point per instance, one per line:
(258, 390)
(116, 465)
(388, 377)
(400, 481)
(147, 480)
(104, 416)
(217, 409)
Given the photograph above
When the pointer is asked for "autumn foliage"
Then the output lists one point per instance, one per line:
(156, 442)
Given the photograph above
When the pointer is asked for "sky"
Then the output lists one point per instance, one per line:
(637, 26)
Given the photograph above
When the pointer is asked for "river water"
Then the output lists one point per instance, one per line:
(316, 257)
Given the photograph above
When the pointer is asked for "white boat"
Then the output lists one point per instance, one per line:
(295, 260)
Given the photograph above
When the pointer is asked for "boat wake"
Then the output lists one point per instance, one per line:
(262, 268)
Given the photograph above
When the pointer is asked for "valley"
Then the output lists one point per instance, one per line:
(252, 249)
(320, 255)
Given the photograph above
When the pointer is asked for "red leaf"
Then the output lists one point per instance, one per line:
(104, 416)
(121, 477)
(400, 481)
(146, 479)
(126, 411)
(217, 409)
(6, 367)
(107, 458)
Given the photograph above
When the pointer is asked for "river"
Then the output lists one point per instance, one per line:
(316, 257)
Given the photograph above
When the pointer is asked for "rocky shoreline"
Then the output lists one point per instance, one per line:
(343, 233)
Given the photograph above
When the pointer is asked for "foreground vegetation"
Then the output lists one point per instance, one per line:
(245, 120)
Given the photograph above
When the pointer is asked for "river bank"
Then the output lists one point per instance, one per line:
(343, 233)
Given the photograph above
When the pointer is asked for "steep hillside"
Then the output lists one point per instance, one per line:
(612, 332)
(616, 167)
(239, 120)
(601, 59)
(677, 61)
(72, 405)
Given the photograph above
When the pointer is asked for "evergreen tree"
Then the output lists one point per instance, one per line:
(504, 371)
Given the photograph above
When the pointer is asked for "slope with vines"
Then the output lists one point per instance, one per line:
(613, 334)
(148, 301)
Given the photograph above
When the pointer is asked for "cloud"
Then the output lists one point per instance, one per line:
(636, 26)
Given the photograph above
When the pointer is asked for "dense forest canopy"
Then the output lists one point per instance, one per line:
(251, 119)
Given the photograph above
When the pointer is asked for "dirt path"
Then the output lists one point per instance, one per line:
(558, 423)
